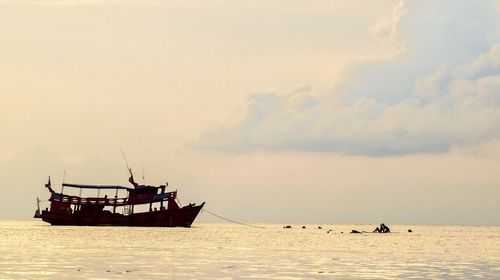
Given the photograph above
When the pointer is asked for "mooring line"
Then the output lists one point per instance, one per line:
(229, 220)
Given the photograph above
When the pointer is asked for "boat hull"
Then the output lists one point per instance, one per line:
(182, 217)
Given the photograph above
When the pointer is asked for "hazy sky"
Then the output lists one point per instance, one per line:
(270, 111)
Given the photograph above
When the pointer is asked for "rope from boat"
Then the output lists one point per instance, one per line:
(229, 220)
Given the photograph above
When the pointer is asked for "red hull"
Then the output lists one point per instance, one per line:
(182, 217)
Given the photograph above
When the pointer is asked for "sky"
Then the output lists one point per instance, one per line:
(270, 111)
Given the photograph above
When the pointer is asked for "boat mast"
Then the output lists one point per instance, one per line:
(131, 179)
(143, 178)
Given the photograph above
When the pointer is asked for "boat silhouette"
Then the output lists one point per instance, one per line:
(164, 211)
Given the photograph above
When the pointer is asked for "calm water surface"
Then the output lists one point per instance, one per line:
(34, 250)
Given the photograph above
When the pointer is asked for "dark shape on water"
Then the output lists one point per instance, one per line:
(287, 227)
(319, 227)
(93, 211)
(409, 230)
(382, 229)
(303, 226)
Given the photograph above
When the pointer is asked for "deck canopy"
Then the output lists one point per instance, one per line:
(96, 187)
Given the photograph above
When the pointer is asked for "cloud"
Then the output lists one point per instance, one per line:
(442, 91)
(387, 28)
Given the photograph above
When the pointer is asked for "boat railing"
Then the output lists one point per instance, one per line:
(92, 200)
(110, 201)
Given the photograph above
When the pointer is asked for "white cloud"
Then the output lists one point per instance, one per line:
(430, 86)
(387, 28)
(485, 64)
(442, 92)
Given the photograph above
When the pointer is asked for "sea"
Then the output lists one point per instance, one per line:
(36, 250)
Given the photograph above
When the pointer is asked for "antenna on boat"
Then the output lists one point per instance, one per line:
(131, 179)
(126, 162)
(143, 179)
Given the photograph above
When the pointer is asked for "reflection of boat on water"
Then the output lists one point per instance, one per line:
(76, 210)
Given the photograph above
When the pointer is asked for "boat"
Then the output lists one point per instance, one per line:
(164, 211)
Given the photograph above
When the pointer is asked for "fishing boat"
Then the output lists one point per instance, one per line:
(163, 210)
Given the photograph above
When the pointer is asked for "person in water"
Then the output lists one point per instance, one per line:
(382, 229)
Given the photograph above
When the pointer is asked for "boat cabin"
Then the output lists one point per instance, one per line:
(141, 195)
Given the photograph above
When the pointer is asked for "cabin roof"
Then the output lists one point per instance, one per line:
(96, 187)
